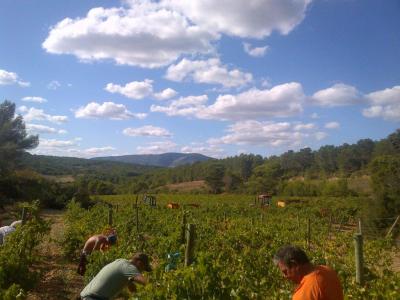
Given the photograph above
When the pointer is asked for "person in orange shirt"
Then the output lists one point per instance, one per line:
(313, 282)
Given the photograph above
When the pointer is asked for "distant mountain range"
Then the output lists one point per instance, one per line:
(160, 160)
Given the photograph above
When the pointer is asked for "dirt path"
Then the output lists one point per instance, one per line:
(59, 279)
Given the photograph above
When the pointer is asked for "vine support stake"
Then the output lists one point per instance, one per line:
(393, 226)
(359, 226)
(137, 214)
(308, 233)
(190, 240)
(183, 227)
(110, 215)
(23, 215)
(358, 238)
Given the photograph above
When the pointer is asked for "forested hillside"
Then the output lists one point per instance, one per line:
(159, 160)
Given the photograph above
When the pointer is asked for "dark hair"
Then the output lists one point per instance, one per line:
(291, 256)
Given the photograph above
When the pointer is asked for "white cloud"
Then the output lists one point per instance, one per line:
(280, 101)
(255, 51)
(133, 90)
(107, 110)
(338, 95)
(146, 34)
(384, 104)
(271, 134)
(148, 130)
(157, 148)
(34, 99)
(209, 71)
(34, 114)
(314, 116)
(320, 135)
(166, 94)
(184, 106)
(205, 149)
(69, 148)
(8, 78)
(37, 128)
(53, 85)
(95, 151)
(242, 18)
(53, 144)
(332, 125)
(301, 126)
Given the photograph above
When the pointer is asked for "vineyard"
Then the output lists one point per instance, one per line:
(233, 245)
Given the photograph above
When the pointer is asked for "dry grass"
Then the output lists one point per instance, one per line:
(188, 186)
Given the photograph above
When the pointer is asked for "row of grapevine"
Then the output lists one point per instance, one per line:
(19, 253)
(234, 246)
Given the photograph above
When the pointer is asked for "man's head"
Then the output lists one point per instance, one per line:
(142, 262)
(292, 261)
(112, 239)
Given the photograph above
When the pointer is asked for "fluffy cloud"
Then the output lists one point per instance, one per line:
(280, 101)
(207, 71)
(37, 128)
(53, 85)
(384, 104)
(69, 148)
(242, 18)
(184, 106)
(107, 110)
(34, 114)
(338, 95)
(8, 78)
(274, 134)
(148, 130)
(52, 144)
(332, 125)
(166, 94)
(205, 149)
(133, 90)
(157, 148)
(96, 151)
(146, 34)
(255, 51)
(34, 99)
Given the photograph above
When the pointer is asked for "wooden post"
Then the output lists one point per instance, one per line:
(359, 226)
(392, 227)
(23, 215)
(183, 228)
(137, 214)
(330, 226)
(359, 258)
(190, 240)
(298, 222)
(110, 215)
(308, 233)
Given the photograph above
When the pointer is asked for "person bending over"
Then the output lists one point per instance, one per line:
(117, 275)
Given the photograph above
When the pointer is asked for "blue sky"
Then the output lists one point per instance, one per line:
(99, 78)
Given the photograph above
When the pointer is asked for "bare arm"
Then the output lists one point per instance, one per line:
(139, 279)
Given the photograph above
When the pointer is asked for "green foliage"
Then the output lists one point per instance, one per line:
(13, 137)
(385, 176)
(19, 253)
(234, 246)
(214, 178)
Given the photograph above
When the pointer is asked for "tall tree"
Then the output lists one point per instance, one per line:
(13, 137)
(214, 178)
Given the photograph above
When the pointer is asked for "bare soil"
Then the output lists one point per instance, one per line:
(59, 279)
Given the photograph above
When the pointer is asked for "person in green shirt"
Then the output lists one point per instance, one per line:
(115, 276)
